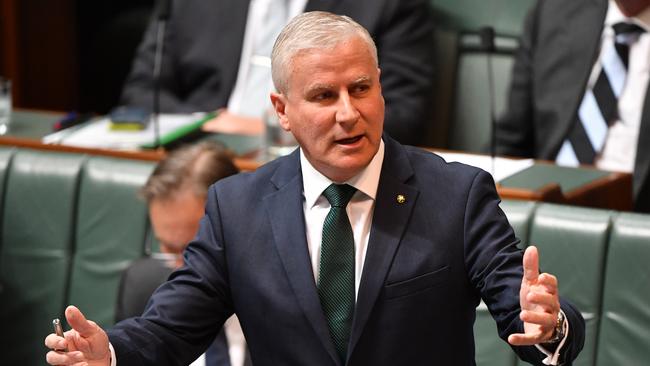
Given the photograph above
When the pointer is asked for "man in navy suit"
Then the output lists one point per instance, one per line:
(428, 238)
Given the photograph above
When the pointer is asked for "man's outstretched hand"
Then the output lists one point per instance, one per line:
(86, 342)
(539, 301)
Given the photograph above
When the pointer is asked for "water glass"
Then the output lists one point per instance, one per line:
(278, 142)
(5, 105)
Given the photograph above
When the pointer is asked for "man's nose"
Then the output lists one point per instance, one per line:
(346, 111)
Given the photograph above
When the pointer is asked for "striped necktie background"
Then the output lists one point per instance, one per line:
(599, 107)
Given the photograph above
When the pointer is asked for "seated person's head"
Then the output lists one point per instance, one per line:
(176, 192)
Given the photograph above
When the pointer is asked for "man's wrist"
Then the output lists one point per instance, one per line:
(558, 331)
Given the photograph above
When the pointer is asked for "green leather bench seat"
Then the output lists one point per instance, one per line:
(572, 243)
(463, 92)
(108, 194)
(70, 224)
(38, 218)
(624, 337)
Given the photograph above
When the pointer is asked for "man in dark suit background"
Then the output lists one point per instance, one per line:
(564, 49)
(353, 250)
(210, 44)
(175, 194)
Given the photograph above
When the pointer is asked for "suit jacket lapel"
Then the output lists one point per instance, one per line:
(582, 29)
(642, 165)
(390, 219)
(285, 211)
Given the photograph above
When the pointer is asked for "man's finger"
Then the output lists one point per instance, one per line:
(531, 264)
(522, 339)
(78, 321)
(55, 342)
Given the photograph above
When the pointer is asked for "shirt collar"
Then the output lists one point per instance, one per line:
(314, 183)
(614, 16)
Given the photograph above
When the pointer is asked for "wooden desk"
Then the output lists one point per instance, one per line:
(584, 186)
(541, 182)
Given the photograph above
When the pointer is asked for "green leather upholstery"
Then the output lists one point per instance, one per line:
(624, 336)
(462, 120)
(37, 243)
(505, 16)
(520, 214)
(107, 194)
(6, 154)
(69, 224)
(572, 243)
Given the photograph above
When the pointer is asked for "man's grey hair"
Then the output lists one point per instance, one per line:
(315, 29)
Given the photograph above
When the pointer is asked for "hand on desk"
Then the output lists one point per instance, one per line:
(540, 303)
(226, 122)
(87, 343)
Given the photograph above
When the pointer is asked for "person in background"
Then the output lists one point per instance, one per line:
(579, 89)
(352, 250)
(175, 193)
(217, 57)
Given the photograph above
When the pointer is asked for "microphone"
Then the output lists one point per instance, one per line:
(487, 45)
(163, 11)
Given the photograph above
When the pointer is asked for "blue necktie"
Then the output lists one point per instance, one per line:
(599, 107)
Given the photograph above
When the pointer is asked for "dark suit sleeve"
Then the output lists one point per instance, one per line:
(494, 265)
(138, 87)
(515, 129)
(404, 41)
(185, 314)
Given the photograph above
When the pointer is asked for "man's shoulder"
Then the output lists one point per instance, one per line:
(255, 181)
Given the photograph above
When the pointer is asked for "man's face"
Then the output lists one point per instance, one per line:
(334, 107)
(175, 220)
(631, 8)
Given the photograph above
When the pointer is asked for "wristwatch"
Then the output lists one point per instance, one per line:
(558, 332)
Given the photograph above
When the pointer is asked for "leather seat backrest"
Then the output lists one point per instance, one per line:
(110, 233)
(37, 242)
(463, 89)
(625, 325)
(6, 154)
(572, 243)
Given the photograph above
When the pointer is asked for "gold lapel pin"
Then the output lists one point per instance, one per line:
(401, 199)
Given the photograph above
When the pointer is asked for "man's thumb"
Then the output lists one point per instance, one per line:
(78, 321)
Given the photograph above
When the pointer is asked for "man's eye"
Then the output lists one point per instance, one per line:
(357, 89)
(324, 96)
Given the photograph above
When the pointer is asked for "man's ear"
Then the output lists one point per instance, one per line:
(279, 102)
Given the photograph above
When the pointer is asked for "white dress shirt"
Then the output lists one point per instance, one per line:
(256, 12)
(359, 210)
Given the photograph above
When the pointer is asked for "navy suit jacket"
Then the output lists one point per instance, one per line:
(559, 46)
(429, 262)
(204, 42)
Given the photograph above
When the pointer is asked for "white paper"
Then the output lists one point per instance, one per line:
(97, 133)
(503, 167)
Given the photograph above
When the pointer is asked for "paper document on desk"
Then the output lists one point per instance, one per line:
(503, 167)
(97, 133)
